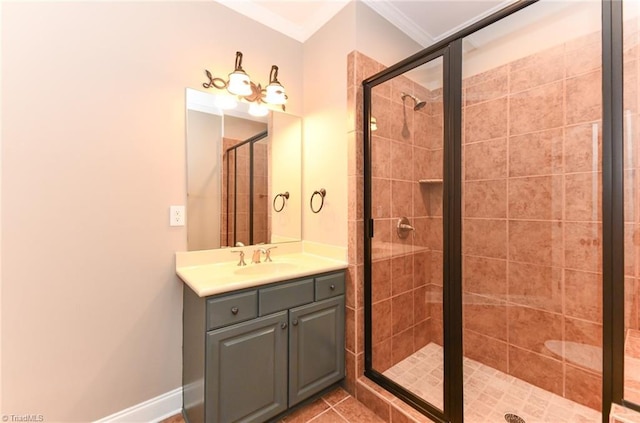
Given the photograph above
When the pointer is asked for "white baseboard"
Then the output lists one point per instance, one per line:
(153, 410)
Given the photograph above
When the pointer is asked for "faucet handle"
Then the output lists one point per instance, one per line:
(241, 262)
(267, 253)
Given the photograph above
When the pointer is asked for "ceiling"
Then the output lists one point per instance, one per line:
(425, 21)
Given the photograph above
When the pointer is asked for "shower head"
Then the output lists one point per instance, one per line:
(418, 104)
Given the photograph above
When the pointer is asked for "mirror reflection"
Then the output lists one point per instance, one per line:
(243, 175)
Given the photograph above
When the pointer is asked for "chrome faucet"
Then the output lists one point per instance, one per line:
(241, 262)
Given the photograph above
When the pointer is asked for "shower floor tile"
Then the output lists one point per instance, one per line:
(488, 393)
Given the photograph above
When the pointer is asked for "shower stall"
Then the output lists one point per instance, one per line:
(500, 223)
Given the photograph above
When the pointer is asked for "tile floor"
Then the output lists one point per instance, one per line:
(336, 406)
(489, 393)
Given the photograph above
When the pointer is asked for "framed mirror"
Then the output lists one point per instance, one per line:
(243, 175)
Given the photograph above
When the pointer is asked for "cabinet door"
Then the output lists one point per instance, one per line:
(316, 347)
(246, 370)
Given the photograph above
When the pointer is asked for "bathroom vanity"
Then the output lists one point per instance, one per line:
(250, 354)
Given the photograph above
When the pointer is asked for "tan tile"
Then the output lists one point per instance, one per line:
(401, 167)
(402, 345)
(335, 396)
(420, 305)
(381, 198)
(381, 355)
(307, 413)
(485, 315)
(538, 153)
(485, 121)
(401, 274)
(536, 109)
(329, 416)
(487, 238)
(373, 402)
(350, 329)
(579, 147)
(355, 412)
(584, 332)
(484, 77)
(381, 280)
(402, 312)
(486, 350)
(584, 98)
(422, 268)
(583, 197)
(381, 321)
(485, 276)
(583, 387)
(485, 199)
(421, 334)
(538, 197)
(583, 295)
(401, 198)
(530, 328)
(536, 369)
(380, 157)
(583, 246)
(536, 286)
(485, 160)
(537, 69)
(535, 242)
(489, 89)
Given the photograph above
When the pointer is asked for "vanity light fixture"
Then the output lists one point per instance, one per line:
(240, 87)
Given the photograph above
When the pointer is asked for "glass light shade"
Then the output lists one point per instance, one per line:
(239, 83)
(225, 102)
(275, 94)
(258, 109)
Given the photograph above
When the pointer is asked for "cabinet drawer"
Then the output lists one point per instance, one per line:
(282, 297)
(329, 286)
(231, 309)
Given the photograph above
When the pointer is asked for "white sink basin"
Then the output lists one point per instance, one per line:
(268, 268)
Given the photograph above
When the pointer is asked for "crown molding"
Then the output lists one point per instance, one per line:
(387, 10)
(299, 32)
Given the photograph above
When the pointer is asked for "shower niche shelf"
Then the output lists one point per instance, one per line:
(429, 181)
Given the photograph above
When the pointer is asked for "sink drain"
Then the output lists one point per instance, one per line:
(513, 418)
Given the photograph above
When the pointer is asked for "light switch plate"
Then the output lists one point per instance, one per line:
(176, 216)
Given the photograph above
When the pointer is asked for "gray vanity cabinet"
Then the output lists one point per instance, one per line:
(250, 355)
(316, 347)
(247, 377)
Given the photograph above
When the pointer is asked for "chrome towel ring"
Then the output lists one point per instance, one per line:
(322, 193)
(285, 197)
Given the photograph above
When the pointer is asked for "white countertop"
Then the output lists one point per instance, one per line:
(211, 272)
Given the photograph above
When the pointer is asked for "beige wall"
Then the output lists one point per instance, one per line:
(93, 154)
(326, 121)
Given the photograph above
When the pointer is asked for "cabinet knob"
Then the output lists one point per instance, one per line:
(332, 287)
(295, 322)
(283, 325)
(234, 310)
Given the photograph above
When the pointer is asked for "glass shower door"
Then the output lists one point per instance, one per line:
(406, 248)
(532, 216)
